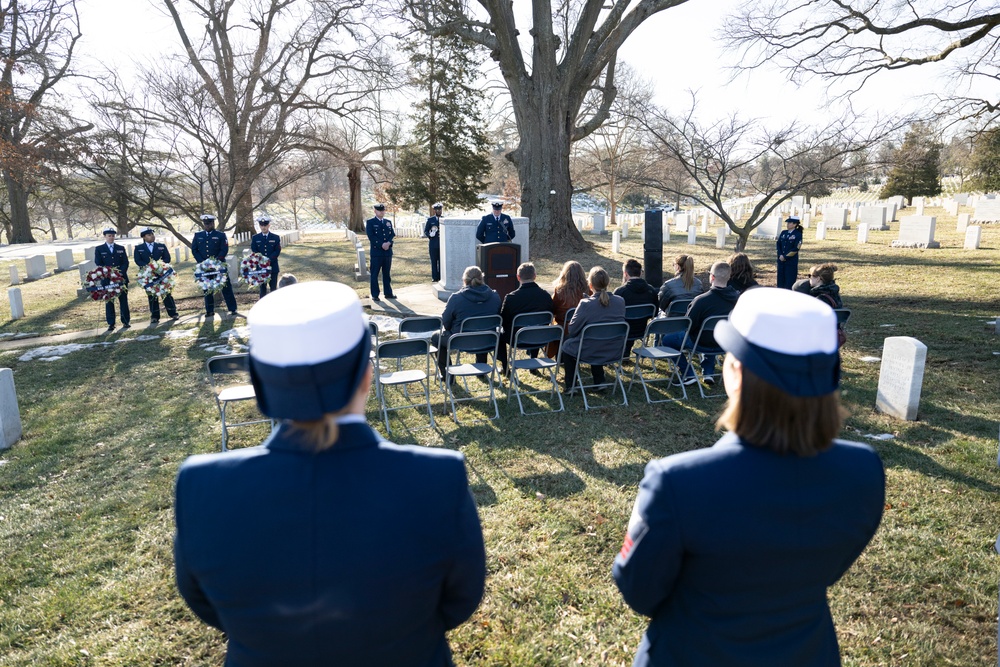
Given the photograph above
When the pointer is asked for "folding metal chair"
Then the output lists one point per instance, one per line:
(423, 326)
(640, 312)
(399, 350)
(609, 332)
(480, 323)
(539, 318)
(529, 338)
(678, 307)
(479, 342)
(655, 331)
(699, 348)
(233, 369)
(373, 333)
(843, 315)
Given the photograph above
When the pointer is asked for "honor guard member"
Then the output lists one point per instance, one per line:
(364, 552)
(788, 244)
(143, 253)
(380, 234)
(113, 254)
(495, 228)
(212, 243)
(269, 245)
(432, 230)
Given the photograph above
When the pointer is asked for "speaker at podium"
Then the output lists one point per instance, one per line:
(499, 262)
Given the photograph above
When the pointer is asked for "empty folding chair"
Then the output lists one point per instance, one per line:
(479, 342)
(529, 338)
(400, 350)
(538, 318)
(602, 344)
(700, 347)
(423, 326)
(654, 353)
(229, 377)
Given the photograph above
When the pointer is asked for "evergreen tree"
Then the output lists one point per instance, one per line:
(916, 170)
(986, 161)
(447, 159)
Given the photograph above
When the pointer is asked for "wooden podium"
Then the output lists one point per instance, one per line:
(499, 262)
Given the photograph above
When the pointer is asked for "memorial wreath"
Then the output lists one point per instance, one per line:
(255, 270)
(104, 283)
(211, 275)
(157, 278)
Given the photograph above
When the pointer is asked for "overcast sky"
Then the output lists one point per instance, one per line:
(676, 49)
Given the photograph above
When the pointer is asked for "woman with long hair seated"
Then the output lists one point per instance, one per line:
(567, 291)
(684, 284)
(731, 549)
(326, 545)
(601, 307)
(821, 285)
(742, 275)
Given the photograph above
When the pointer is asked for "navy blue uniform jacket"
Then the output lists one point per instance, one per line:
(118, 259)
(730, 550)
(268, 245)
(209, 244)
(492, 231)
(789, 242)
(362, 555)
(380, 231)
(432, 230)
(142, 256)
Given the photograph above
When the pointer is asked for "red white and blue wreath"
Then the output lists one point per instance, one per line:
(157, 278)
(104, 283)
(255, 270)
(211, 275)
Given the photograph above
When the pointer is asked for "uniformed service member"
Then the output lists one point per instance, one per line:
(212, 243)
(364, 552)
(113, 254)
(269, 245)
(432, 230)
(381, 235)
(496, 227)
(145, 252)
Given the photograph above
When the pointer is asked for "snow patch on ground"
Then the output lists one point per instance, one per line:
(55, 352)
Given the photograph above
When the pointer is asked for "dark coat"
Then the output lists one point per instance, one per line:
(469, 302)
(637, 292)
(789, 242)
(716, 301)
(590, 311)
(268, 245)
(116, 257)
(674, 289)
(364, 554)
(380, 231)
(527, 298)
(142, 256)
(730, 551)
(492, 231)
(209, 244)
(432, 230)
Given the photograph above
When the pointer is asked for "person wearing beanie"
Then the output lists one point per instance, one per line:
(326, 545)
(730, 550)
(788, 244)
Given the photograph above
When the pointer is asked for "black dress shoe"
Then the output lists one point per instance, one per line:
(175, 316)
(375, 298)
(111, 328)
(390, 296)
(156, 321)
(126, 326)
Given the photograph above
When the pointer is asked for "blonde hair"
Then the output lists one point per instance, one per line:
(686, 265)
(572, 282)
(320, 433)
(473, 276)
(599, 281)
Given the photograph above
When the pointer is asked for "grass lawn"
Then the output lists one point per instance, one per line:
(86, 522)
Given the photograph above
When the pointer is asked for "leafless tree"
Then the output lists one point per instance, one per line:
(736, 158)
(37, 41)
(569, 51)
(857, 39)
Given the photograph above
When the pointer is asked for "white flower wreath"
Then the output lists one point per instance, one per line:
(255, 270)
(211, 275)
(157, 278)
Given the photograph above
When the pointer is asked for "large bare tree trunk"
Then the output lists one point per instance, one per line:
(20, 225)
(357, 221)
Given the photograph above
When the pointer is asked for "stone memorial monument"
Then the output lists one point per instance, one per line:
(820, 231)
(835, 218)
(901, 377)
(16, 304)
(10, 415)
(35, 267)
(916, 231)
(64, 259)
(863, 232)
(458, 249)
(987, 210)
(720, 237)
(962, 222)
(874, 216)
(973, 235)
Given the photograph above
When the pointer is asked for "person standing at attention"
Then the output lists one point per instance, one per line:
(269, 245)
(364, 552)
(730, 549)
(496, 227)
(212, 243)
(788, 244)
(432, 230)
(143, 254)
(380, 235)
(113, 254)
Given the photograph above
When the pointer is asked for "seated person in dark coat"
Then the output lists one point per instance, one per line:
(636, 292)
(475, 299)
(718, 300)
(529, 297)
(730, 549)
(684, 284)
(742, 275)
(601, 307)
(326, 545)
(821, 285)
